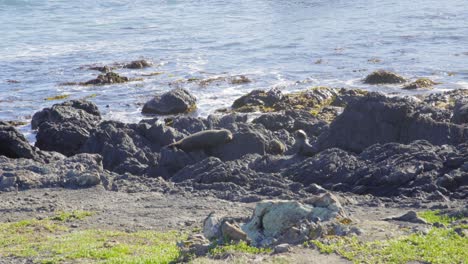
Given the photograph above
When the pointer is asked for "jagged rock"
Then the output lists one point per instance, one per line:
(384, 77)
(80, 112)
(378, 119)
(108, 78)
(66, 138)
(173, 102)
(196, 245)
(124, 147)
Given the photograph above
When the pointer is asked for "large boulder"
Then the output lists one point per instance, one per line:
(65, 127)
(284, 221)
(107, 78)
(173, 102)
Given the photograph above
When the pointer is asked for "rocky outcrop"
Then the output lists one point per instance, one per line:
(384, 77)
(80, 171)
(173, 102)
(379, 119)
(65, 127)
(108, 78)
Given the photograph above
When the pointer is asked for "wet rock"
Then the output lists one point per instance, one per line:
(138, 64)
(80, 112)
(108, 78)
(384, 77)
(240, 79)
(187, 124)
(421, 83)
(445, 100)
(173, 102)
(460, 112)
(410, 216)
(172, 161)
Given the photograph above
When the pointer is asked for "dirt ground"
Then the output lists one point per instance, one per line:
(164, 212)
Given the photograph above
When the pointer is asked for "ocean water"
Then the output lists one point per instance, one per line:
(290, 44)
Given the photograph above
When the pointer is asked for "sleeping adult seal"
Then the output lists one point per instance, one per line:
(203, 140)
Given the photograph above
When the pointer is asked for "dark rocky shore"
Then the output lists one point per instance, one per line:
(343, 140)
(294, 146)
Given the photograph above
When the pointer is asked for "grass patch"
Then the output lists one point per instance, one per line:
(439, 246)
(57, 97)
(435, 216)
(71, 216)
(241, 247)
(49, 241)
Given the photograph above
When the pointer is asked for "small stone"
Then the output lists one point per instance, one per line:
(233, 232)
(384, 77)
(282, 248)
(410, 216)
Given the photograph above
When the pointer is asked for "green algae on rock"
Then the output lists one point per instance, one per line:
(384, 77)
(421, 83)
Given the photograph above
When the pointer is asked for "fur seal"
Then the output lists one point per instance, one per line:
(203, 140)
(302, 143)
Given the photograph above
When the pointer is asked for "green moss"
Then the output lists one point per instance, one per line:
(241, 247)
(435, 216)
(57, 97)
(70, 216)
(48, 241)
(438, 246)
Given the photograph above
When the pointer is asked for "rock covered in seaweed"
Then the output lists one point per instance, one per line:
(384, 77)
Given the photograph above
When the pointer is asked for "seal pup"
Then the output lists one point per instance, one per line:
(203, 140)
(302, 144)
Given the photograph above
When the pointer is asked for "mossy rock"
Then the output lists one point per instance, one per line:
(421, 83)
(384, 77)
(108, 78)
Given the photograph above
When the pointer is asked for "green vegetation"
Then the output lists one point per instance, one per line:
(437, 217)
(70, 216)
(440, 245)
(240, 247)
(57, 97)
(49, 241)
